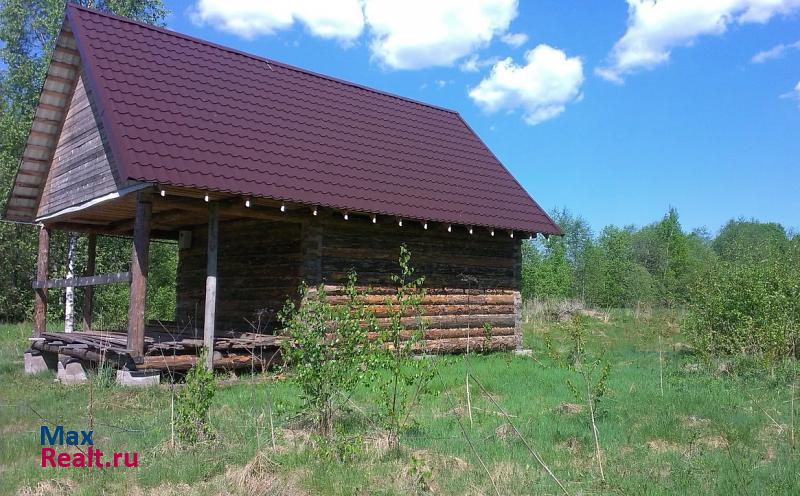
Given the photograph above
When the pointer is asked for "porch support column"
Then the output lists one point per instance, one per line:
(88, 291)
(137, 303)
(40, 305)
(211, 284)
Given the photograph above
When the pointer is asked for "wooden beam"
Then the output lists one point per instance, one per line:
(88, 293)
(40, 305)
(236, 208)
(211, 283)
(81, 282)
(137, 302)
(63, 65)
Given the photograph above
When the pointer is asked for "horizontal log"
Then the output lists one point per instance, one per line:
(460, 345)
(83, 353)
(339, 290)
(434, 299)
(441, 310)
(458, 332)
(77, 282)
(453, 321)
(229, 362)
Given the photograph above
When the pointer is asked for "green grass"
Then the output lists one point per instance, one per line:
(709, 433)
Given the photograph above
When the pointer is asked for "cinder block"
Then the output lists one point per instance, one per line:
(70, 371)
(37, 362)
(138, 378)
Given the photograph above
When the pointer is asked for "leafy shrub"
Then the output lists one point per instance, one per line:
(328, 347)
(750, 308)
(194, 401)
(406, 379)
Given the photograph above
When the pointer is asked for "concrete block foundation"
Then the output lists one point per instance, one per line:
(37, 362)
(70, 371)
(138, 378)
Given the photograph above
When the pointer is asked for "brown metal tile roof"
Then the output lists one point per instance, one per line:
(184, 112)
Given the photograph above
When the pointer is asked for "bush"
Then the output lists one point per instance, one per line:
(750, 308)
(328, 347)
(193, 402)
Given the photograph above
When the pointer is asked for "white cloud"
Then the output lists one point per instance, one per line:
(337, 19)
(411, 34)
(542, 87)
(422, 33)
(474, 63)
(776, 52)
(656, 27)
(794, 94)
(514, 39)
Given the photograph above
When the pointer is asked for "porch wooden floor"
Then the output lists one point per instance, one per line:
(165, 349)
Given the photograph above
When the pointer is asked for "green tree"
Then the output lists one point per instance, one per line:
(28, 31)
(750, 240)
(750, 307)
(662, 249)
(577, 239)
(616, 279)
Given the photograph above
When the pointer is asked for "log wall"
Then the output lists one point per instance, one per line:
(470, 280)
(258, 267)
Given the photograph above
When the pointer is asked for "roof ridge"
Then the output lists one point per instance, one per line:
(258, 57)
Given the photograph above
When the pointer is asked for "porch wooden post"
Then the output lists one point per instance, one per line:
(88, 291)
(137, 303)
(211, 284)
(40, 305)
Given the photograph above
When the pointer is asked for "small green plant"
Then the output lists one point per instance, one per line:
(594, 373)
(487, 335)
(552, 351)
(421, 474)
(405, 379)
(328, 348)
(193, 402)
(577, 328)
(104, 376)
(339, 447)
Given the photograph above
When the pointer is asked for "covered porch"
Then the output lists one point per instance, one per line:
(145, 214)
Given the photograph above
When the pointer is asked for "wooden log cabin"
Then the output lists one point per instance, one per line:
(268, 175)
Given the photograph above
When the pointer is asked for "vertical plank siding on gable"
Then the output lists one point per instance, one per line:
(82, 167)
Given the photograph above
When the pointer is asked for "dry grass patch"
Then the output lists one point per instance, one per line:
(714, 442)
(49, 487)
(569, 408)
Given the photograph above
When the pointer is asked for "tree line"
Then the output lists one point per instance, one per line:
(740, 289)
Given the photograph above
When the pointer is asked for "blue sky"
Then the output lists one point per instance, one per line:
(616, 113)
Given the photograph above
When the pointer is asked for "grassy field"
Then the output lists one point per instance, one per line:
(718, 428)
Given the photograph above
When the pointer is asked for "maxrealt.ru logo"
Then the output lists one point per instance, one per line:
(83, 452)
